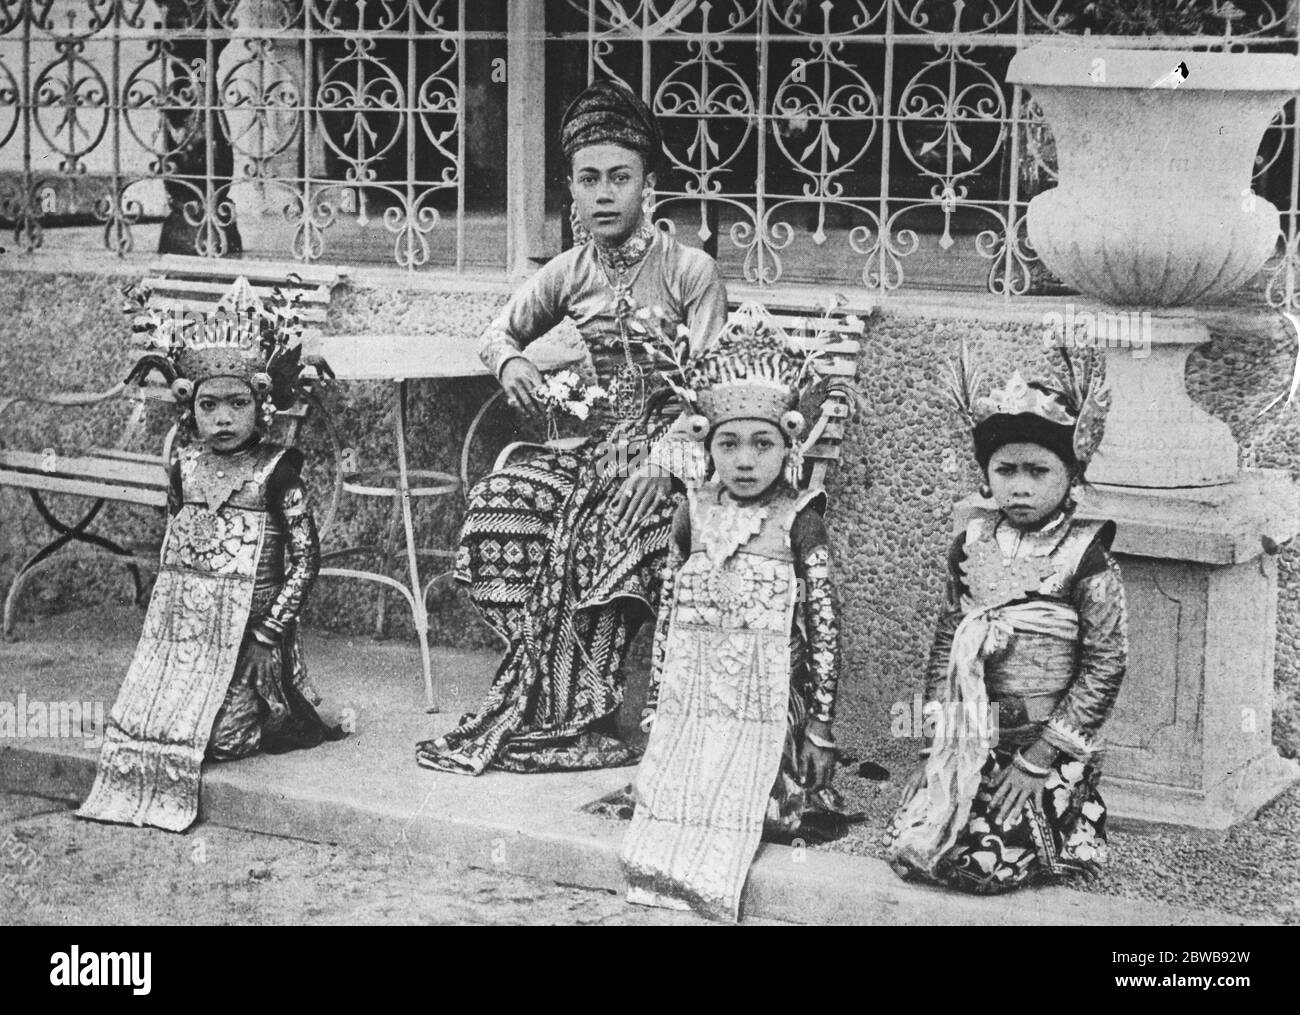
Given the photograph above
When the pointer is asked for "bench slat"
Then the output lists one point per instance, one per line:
(27, 463)
(128, 456)
(254, 271)
(313, 314)
(836, 368)
(45, 483)
(815, 325)
(216, 290)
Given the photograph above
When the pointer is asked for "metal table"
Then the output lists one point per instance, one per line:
(401, 359)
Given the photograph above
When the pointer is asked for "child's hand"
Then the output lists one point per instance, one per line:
(915, 780)
(816, 765)
(1015, 788)
(259, 661)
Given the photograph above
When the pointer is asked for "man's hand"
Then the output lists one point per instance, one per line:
(641, 493)
(259, 661)
(521, 379)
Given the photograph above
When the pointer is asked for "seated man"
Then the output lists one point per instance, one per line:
(563, 554)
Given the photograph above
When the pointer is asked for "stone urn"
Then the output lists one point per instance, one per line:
(1154, 213)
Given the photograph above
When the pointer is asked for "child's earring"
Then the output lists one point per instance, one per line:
(794, 466)
(648, 202)
(580, 233)
(986, 491)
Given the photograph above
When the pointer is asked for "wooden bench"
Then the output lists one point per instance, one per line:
(127, 473)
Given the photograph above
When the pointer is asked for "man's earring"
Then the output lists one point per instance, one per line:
(648, 202)
(986, 491)
(580, 233)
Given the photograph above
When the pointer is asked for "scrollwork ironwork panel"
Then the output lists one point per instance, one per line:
(877, 138)
(303, 128)
(872, 142)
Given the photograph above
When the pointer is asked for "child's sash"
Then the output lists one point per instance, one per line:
(933, 818)
(159, 728)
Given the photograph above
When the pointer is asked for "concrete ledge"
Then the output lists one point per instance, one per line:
(796, 885)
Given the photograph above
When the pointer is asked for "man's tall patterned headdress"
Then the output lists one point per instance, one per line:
(608, 112)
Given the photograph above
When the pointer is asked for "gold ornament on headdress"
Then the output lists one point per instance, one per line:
(753, 371)
(1079, 398)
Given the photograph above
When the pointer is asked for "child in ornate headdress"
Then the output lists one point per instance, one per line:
(1028, 655)
(219, 670)
(746, 653)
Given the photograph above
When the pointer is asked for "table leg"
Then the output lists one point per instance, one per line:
(418, 605)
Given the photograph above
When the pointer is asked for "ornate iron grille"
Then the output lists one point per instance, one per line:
(875, 141)
(291, 128)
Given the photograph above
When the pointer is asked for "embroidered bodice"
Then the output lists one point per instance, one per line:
(1046, 684)
(248, 510)
(742, 568)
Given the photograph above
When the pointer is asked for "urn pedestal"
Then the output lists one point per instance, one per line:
(1155, 214)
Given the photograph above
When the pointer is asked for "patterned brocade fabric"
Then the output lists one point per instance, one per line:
(715, 749)
(821, 626)
(186, 696)
(301, 555)
(736, 678)
(567, 590)
(815, 648)
(1060, 834)
(1075, 724)
(676, 558)
(1051, 683)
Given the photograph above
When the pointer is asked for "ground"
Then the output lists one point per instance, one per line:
(1252, 872)
(56, 869)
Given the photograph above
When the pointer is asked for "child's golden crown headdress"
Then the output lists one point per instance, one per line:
(754, 371)
(1068, 417)
(255, 339)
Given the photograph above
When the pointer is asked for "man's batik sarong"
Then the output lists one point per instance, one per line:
(567, 590)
